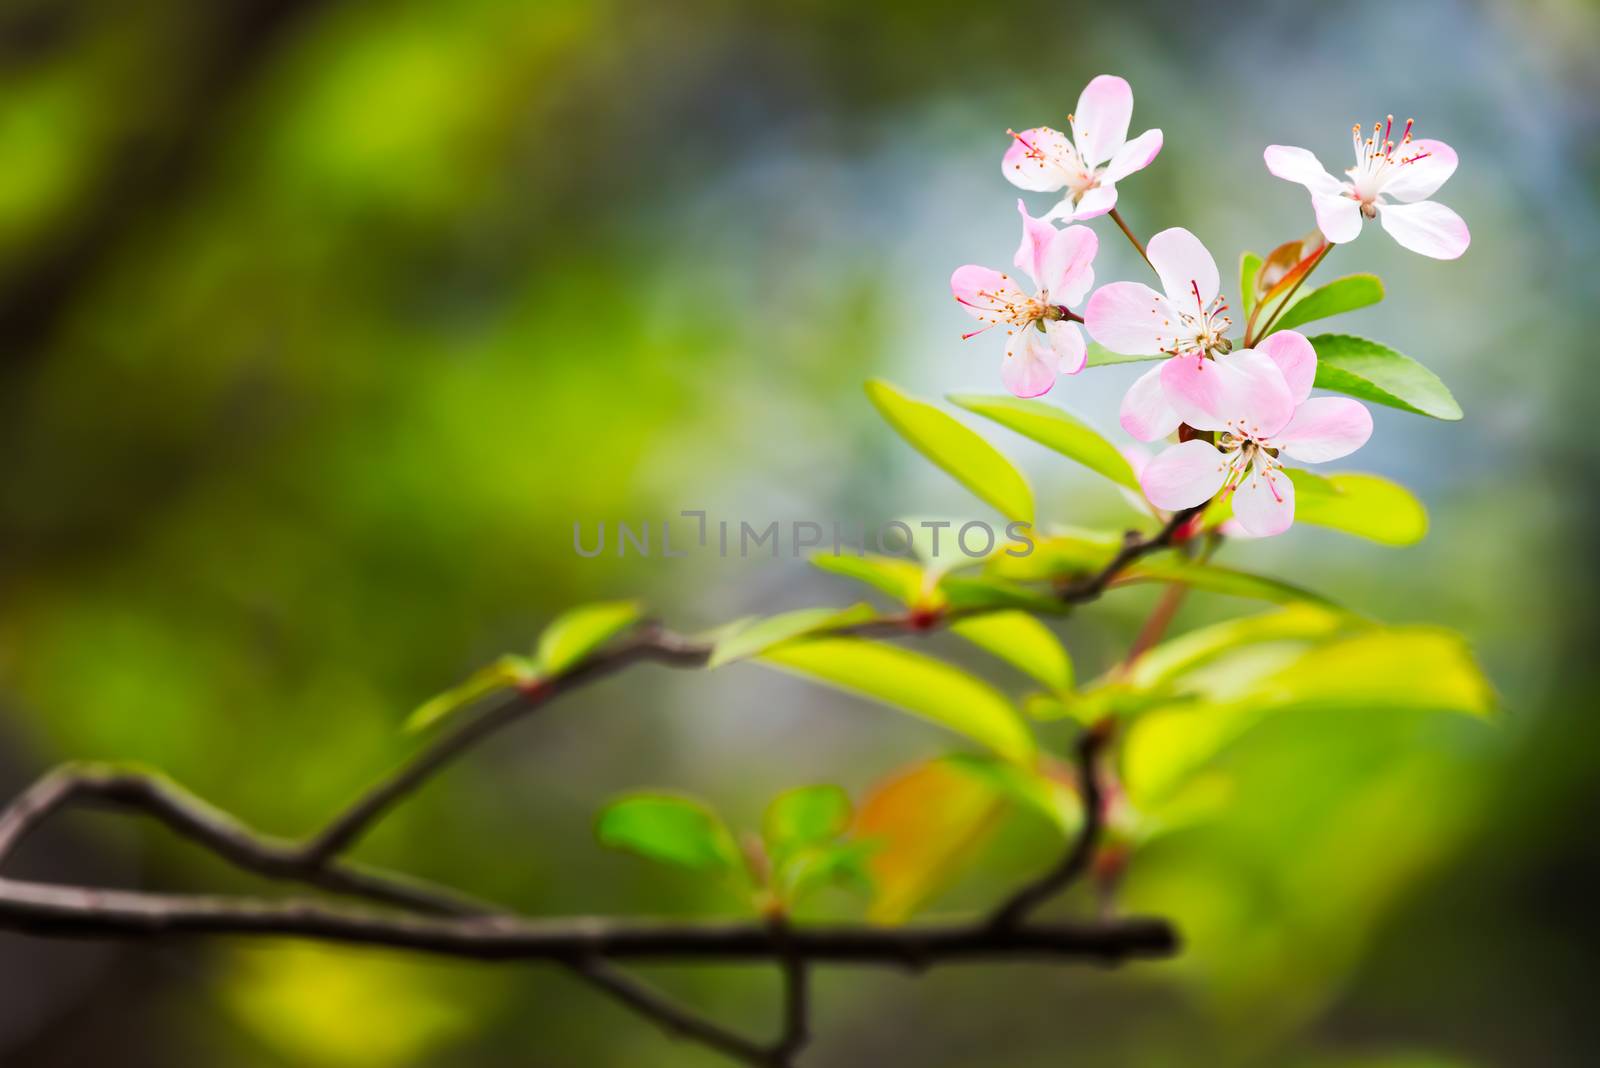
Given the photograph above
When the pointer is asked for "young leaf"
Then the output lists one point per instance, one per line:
(1061, 555)
(899, 578)
(1249, 267)
(1370, 371)
(1365, 505)
(972, 593)
(670, 830)
(914, 683)
(507, 671)
(1049, 796)
(807, 816)
(1100, 356)
(1023, 642)
(1171, 659)
(1216, 579)
(1049, 425)
(927, 824)
(580, 631)
(763, 634)
(812, 867)
(962, 454)
(1338, 296)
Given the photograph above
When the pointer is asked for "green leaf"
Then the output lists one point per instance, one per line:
(1023, 642)
(1049, 797)
(1213, 578)
(1049, 425)
(1173, 658)
(1338, 296)
(803, 817)
(899, 578)
(1061, 555)
(578, 632)
(976, 593)
(962, 454)
(669, 829)
(507, 671)
(1381, 669)
(1370, 371)
(1365, 505)
(1100, 356)
(763, 634)
(914, 683)
(1249, 267)
(815, 866)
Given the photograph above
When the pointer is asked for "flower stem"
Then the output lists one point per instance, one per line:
(1116, 217)
(1283, 304)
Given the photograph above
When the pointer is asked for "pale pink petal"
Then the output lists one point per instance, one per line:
(1425, 166)
(986, 294)
(1184, 475)
(1264, 503)
(1068, 265)
(1302, 166)
(1338, 216)
(1184, 266)
(1428, 227)
(1037, 236)
(1067, 341)
(1325, 428)
(1094, 202)
(1295, 358)
(1100, 125)
(1131, 318)
(1145, 412)
(1232, 528)
(1136, 155)
(1039, 160)
(1244, 393)
(1138, 457)
(1031, 364)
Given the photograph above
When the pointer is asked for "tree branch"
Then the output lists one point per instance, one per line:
(1021, 904)
(429, 919)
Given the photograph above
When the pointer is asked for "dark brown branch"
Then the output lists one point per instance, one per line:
(443, 922)
(667, 1014)
(1021, 904)
(194, 819)
(72, 910)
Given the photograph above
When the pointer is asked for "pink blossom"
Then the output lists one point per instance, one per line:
(1257, 404)
(1132, 318)
(1090, 164)
(1409, 172)
(1042, 342)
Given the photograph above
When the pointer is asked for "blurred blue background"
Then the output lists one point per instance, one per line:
(322, 323)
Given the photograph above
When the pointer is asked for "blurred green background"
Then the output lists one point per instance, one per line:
(321, 323)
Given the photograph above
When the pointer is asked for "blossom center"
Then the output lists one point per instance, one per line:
(1202, 331)
(1378, 160)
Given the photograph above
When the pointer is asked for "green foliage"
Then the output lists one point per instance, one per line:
(760, 635)
(1249, 267)
(1177, 656)
(980, 592)
(1023, 642)
(801, 832)
(956, 449)
(669, 829)
(1373, 372)
(1214, 578)
(1365, 505)
(1054, 428)
(580, 631)
(1337, 297)
(1100, 356)
(899, 578)
(1220, 693)
(913, 683)
(507, 671)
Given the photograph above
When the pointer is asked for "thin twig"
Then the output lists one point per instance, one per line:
(1116, 217)
(667, 1014)
(1016, 909)
(1251, 336)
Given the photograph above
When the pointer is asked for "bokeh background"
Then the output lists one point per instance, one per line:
(321, 323)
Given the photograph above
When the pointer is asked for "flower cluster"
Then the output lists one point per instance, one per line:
(1237, 408)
